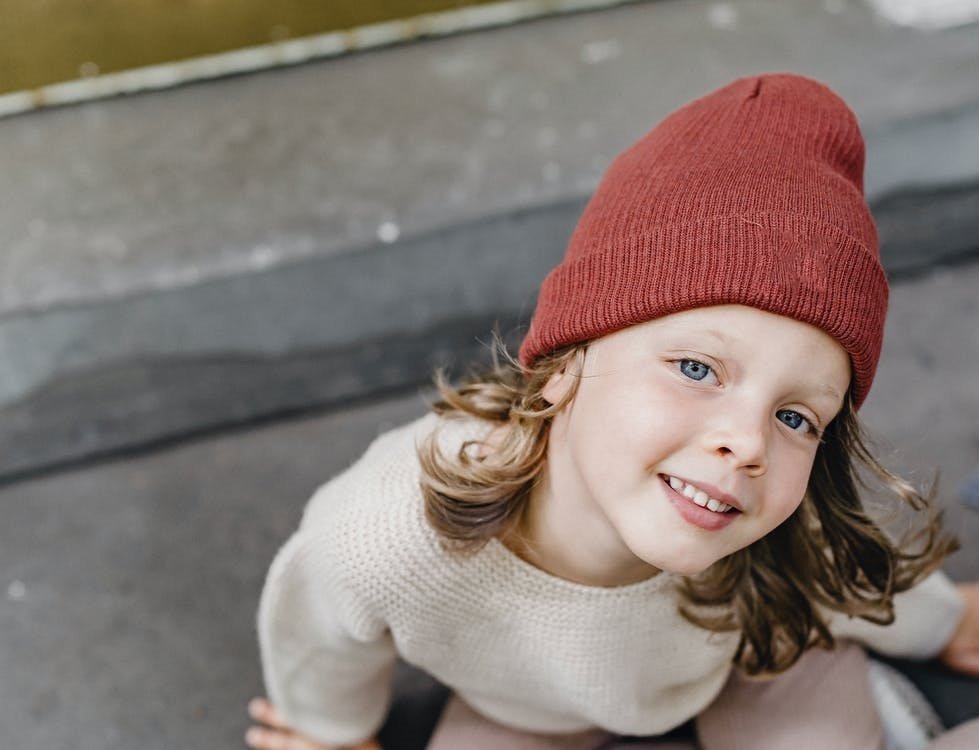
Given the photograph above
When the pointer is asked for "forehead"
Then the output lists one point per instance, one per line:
(731, 323)
(754, 337)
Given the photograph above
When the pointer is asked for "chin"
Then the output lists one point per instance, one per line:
(684, 565)
(692, 566)
(682, 560)
(686, 570)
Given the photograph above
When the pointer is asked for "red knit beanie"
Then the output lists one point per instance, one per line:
(751, 195)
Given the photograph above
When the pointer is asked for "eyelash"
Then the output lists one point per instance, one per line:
(811, 428)
(689, 360)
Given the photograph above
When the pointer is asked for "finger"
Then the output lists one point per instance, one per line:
(262, 710)
(962, 660)
(261, 738)
(266, 739)
(969, 663)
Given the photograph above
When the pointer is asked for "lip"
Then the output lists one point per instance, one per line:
(695, 514)
(715, 492)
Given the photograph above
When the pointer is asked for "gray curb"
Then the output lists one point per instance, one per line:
(207, 256)
(325, 331)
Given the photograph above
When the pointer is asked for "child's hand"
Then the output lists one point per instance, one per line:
(962, 652)
(277, 735)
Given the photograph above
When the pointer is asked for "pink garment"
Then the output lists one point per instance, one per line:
(824, 701)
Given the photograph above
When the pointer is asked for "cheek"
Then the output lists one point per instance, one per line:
(634, 427)
(613, 437)
(785, 509)
(789, 487)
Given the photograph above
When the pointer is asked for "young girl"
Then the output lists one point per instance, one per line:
(658, 507)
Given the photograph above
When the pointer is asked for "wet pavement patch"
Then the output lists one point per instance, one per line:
(45, 43)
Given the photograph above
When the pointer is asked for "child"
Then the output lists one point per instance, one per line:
(660, 503)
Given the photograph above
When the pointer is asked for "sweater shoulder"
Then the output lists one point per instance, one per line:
(388, 474)
(368, 522)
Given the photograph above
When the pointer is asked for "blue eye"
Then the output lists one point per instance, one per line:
(793, 419)
(693, 369)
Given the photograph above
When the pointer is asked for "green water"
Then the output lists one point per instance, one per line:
(47, 41)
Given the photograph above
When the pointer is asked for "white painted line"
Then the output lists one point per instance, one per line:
(930, 15)
(292, 51)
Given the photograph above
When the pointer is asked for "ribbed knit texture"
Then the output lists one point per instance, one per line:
(750, 195)
(364, 578)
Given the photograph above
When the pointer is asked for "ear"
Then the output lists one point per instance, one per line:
(558, 386)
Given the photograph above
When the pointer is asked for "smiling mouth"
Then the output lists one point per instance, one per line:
(698, 496)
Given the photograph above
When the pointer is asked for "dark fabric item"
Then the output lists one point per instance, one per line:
(954, 696)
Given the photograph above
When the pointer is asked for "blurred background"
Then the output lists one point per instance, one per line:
(235, 241)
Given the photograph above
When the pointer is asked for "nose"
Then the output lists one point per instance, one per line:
(740, 436)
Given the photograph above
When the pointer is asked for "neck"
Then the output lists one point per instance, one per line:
(559, 538)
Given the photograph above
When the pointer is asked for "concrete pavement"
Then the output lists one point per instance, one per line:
(199, 257)
(320, 237)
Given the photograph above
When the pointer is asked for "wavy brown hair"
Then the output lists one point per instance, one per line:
(829, 556)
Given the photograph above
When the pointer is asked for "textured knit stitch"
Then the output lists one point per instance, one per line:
(365, 578)
(750, 195)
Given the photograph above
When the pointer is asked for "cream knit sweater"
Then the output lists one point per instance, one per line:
(364, 578)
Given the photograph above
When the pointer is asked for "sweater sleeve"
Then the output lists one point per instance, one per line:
(925, 617)
(327, 661)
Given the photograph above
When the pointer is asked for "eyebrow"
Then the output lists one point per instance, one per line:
(717, 334)
(828, 390)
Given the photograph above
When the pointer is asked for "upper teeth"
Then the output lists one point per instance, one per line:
(698, 496)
